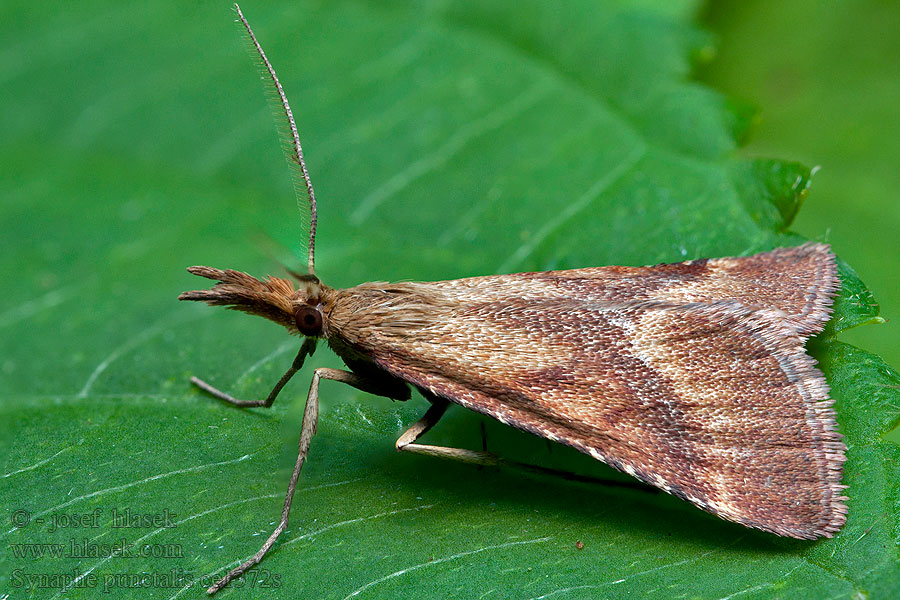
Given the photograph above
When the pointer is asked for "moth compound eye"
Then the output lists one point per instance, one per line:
(309, 320)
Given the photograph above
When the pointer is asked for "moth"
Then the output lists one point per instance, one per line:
(691, 377)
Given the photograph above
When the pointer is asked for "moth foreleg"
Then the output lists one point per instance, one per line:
(428, 420)
(308, 347)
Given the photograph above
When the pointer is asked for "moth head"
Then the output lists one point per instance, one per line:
(297, 309)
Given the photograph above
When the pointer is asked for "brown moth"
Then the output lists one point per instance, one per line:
(691, 377)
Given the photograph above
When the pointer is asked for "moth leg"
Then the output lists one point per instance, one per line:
(428, 420)
(307, 349)
(307, 430)
(388, 388)
(436, 411)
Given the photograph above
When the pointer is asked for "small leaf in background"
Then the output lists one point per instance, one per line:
(825, 94)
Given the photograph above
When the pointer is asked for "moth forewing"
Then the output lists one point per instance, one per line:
(691, 377)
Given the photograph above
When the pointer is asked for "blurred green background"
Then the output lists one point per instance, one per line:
(445, 139)
(824, 78)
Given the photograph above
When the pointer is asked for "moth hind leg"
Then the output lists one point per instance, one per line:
(406, 442)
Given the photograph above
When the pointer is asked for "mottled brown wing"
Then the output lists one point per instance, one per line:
(798, 282)
(711, 398)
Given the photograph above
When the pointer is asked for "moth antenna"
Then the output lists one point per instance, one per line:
(293, 150)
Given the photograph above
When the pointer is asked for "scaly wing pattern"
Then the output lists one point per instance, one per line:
(691, 377)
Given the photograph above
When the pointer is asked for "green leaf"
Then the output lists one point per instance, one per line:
(444, 141)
